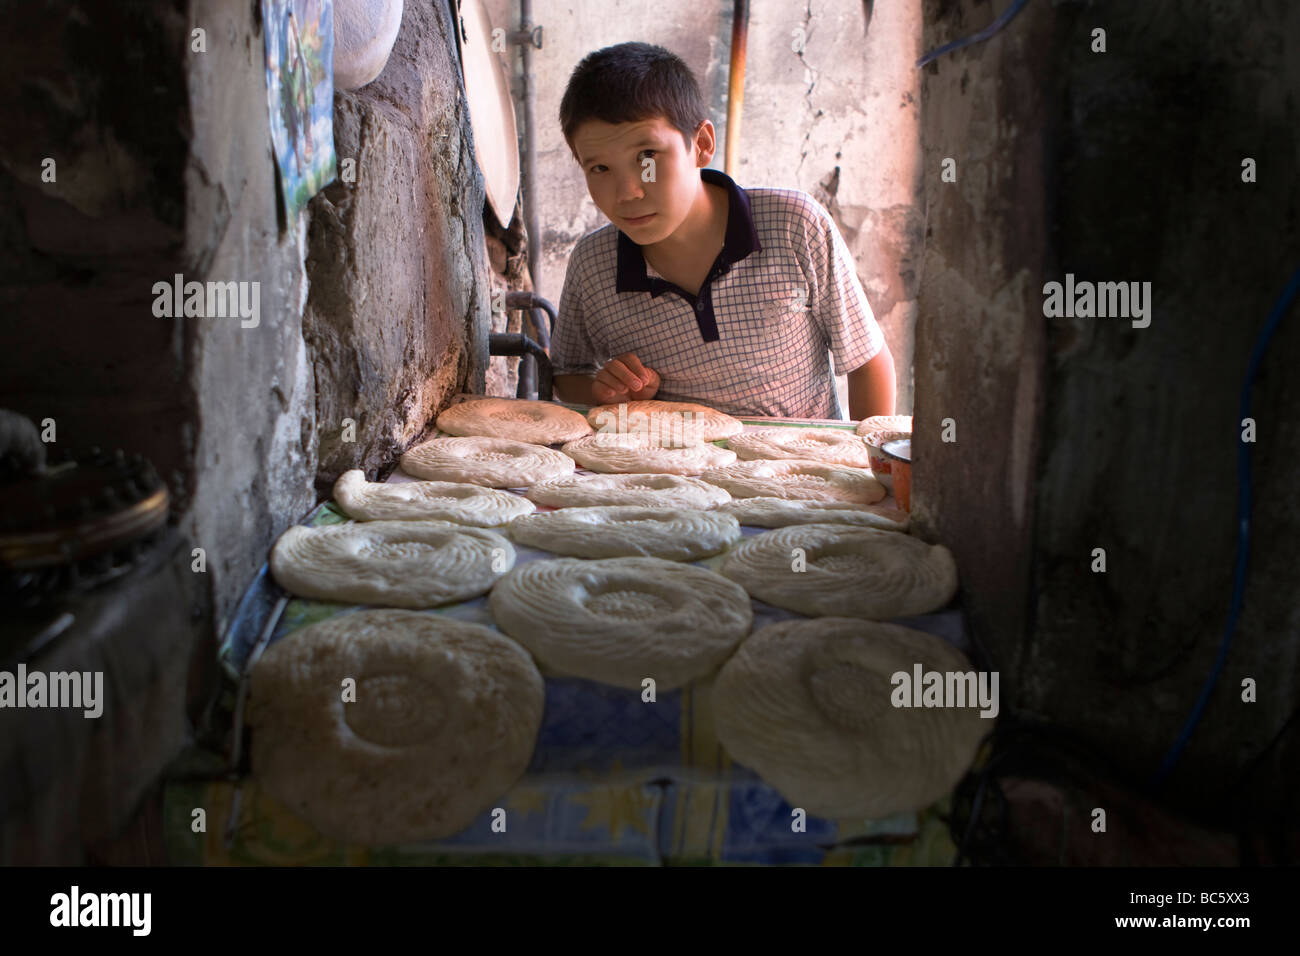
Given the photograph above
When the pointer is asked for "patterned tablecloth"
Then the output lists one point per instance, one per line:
(613, 779)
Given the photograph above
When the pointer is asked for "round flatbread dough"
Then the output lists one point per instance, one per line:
(646, 491)
(848, 571)
(491, 462)
(884, 423)
(444, 722)
(412, 564)
(826, 445)
(796, 478)
(626, 531)
(809, 706)
(632, 454)
(665, 419)
(425, 500)
(517, 419)
(621, 620)
(780, 512)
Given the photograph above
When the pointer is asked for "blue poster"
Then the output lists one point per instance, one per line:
(300, 94)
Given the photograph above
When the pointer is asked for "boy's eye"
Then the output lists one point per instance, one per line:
(596, 169)
(647, 153)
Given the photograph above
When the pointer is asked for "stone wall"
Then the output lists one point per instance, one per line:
(398, 312)
(163, 163)
(1117, 166)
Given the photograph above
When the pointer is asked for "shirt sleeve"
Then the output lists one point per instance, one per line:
(839, 305)
(571, 349)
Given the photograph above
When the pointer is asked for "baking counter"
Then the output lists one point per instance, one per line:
(612, 779)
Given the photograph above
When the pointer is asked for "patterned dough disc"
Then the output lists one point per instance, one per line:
(677, 419)
(849, 572)
(797, 478)
(877, 439)
(646, 491)
(411, 564)
(516, 419)
(444, 722)
(809, 444)
(424, 500)
(492, 462)
(809, 706)
(779, 512)
(619, 531)
(621, 620)
(884, 423)
(633, 454)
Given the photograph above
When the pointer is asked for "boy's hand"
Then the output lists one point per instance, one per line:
(625, 379)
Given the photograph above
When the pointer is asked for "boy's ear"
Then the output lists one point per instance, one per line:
(706, 144)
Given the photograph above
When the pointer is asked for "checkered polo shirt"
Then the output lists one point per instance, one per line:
(782, 296)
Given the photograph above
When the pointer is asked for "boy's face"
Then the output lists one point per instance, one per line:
(648, 201)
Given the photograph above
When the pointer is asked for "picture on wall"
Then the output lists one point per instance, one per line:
(300, 96)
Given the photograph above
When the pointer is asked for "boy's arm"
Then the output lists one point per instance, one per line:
(573, 356)
(856, 341)
(872, 387)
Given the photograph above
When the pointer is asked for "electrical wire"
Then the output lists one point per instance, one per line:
(1243, 531)
(983, 35)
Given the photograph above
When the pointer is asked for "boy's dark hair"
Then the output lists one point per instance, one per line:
(630, 82)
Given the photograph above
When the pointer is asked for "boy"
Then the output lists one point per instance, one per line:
(700, 291)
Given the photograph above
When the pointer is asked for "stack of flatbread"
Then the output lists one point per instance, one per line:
(809, 706)
(622, 620)
(491, 462)
(439, 721)
(446, 713)
(795, 478)
(665, 421)
(884, 423)
(423, 500)
(843, 571)
(807, 444)
(617, 531)
(646, 491)
(630, 453)
(410, 564)
(517, 419)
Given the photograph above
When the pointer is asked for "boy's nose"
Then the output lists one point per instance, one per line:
(630, 188)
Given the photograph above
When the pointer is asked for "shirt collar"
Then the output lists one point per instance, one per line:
(741, 238)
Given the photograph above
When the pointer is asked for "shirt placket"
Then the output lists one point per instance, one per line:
(702, 304)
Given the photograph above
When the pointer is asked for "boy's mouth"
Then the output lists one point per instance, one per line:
(638, 220)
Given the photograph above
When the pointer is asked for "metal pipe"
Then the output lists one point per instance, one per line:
(530, 142)
(515, 343)
(527, 37)
(534, 302)
(735, 83)
(531, 324)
